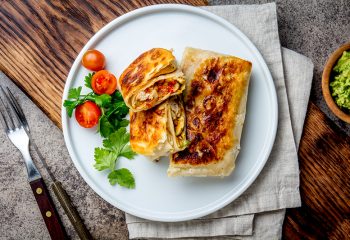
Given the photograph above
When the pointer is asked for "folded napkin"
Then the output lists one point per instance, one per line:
(259, 212)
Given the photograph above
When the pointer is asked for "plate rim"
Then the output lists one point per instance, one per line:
(224, 200)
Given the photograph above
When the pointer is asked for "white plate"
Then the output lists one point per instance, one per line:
(156, 196)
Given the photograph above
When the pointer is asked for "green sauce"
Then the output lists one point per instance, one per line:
(340, 86)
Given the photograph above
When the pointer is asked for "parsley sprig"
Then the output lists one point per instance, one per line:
(115, 146)
(112, 126)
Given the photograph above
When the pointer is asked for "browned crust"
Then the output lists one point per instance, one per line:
(147, 129)
(142, 68)
(212, 103)
(152, 132)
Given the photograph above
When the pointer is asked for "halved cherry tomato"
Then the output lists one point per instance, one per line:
(104, 82)
(87, 114)
(94, 60)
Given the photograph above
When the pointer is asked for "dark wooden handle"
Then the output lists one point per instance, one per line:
(71, 211)
(48, 210)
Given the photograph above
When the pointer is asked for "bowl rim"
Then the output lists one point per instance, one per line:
(327, 70)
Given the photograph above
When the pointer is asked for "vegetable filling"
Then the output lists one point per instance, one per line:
(159, 90)
(178, 121)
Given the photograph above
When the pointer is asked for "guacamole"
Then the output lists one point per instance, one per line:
(340, 86)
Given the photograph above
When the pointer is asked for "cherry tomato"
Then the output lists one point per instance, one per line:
(87, 114)
(93, 60)
(104, 82)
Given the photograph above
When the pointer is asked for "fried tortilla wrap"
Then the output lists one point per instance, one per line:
(160, 130)
(215, 103)
(151, 79)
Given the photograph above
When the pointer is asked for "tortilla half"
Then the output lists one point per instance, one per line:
(215, 103)
(151, 79)
(159, 130)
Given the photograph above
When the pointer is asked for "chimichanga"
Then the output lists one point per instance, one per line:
(151, 79)
(215, 100)
(160, 130)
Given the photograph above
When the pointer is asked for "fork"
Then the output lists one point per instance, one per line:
(17, 134)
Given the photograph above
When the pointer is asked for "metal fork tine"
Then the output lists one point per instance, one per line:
(18, 108)
(3, 121)
(10, 101)
(10, 124)
(13, 121)
(11, 110)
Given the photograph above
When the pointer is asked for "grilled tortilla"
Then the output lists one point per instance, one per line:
(159, 130)
(151, 79)
(215, 100)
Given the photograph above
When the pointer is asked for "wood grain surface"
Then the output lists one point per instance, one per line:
(324, 156)
(39, 41)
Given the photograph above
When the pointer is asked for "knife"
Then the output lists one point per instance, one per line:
(65, 201)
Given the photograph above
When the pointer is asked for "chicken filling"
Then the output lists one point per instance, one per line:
(157, 91)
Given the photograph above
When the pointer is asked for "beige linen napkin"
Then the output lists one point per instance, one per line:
(277, 187)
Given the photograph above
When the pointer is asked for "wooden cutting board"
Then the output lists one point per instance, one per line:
(41, 39)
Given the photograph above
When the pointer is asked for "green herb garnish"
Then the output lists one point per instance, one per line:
(113, 109)
(115, 146)
(88, 79)
(123, 177)
(112, 126)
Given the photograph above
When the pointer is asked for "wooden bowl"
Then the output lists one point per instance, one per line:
(326, 79)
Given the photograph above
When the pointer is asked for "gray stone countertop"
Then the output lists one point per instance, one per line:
(314, 28)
